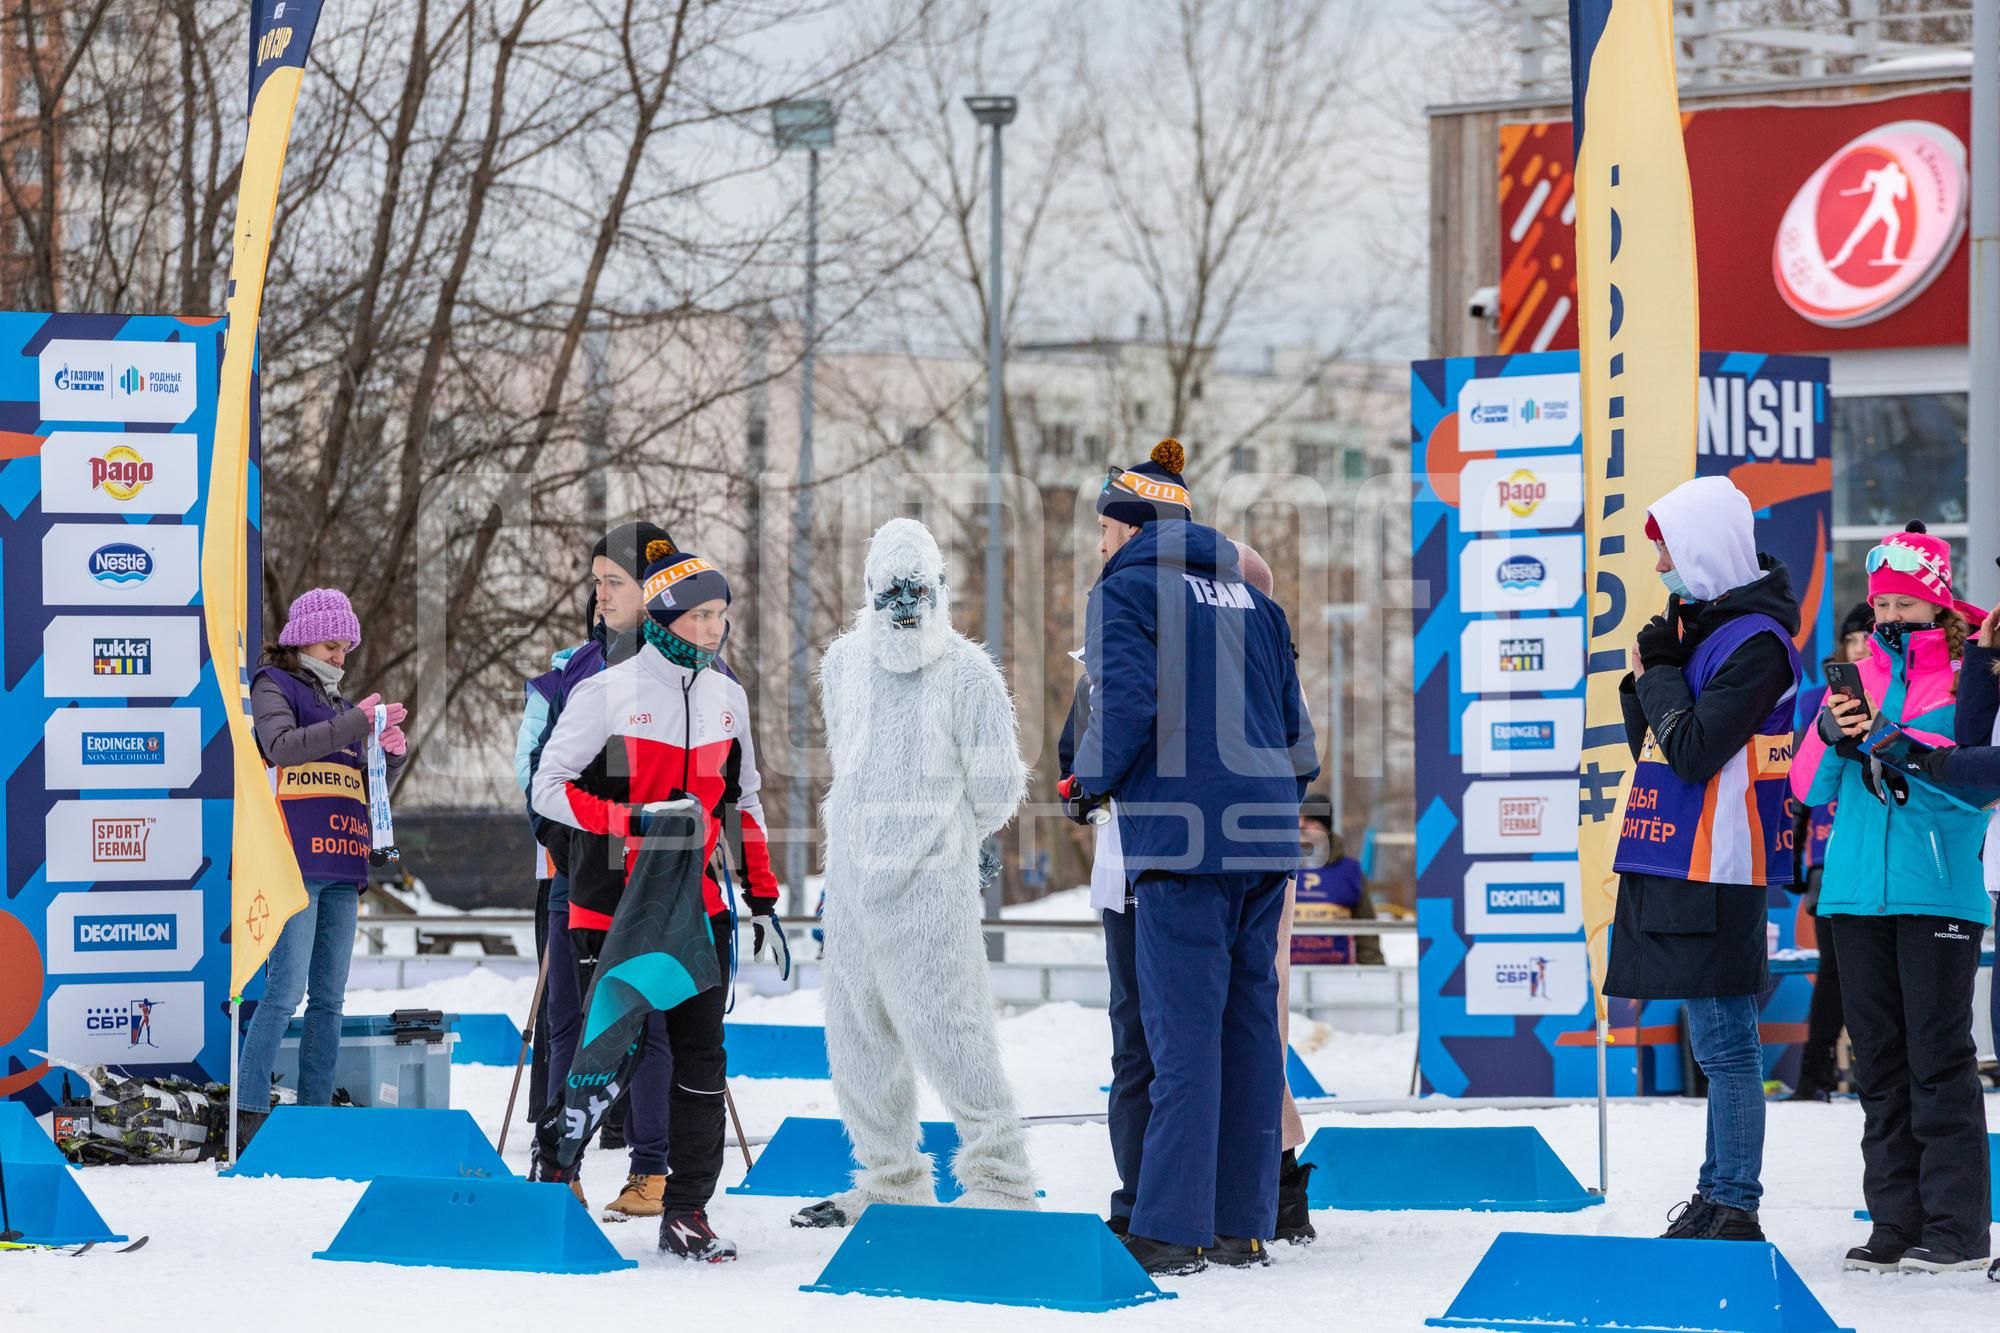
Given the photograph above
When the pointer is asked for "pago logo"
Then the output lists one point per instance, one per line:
(1520, 574)
(122, 472)
(1873, 226)
(121, 564)
(1521, 492)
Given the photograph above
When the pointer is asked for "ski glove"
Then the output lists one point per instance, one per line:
(1659, 645)
(1929, 764)
(768, 943)
(989, 862)
(1076, 807)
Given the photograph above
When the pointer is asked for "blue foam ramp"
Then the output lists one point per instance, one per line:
(776, 1050)
(367, 1142)
(809, 1158)
(22, 1139)
(1529, 1282)
(976, 1254)
(485, 1039)
(1495, 1169)
(512, 1226)
(1300, 1079)
(48, 1207)
(1992, 1166)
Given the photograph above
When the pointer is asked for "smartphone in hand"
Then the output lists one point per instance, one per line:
(1845, 678)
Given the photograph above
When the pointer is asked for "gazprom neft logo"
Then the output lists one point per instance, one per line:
(1525, 899)
(82, 379)
(101, 934)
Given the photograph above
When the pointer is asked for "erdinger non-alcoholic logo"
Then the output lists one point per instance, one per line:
(1523, 735)
(1521, 816)
(1872, 227)
(1520, 574)
(1522, 492)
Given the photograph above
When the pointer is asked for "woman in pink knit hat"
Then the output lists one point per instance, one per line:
(315, 743)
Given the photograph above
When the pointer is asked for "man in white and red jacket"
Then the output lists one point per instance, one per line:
(651, 728)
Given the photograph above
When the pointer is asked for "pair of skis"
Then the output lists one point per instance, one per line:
(75, 1251)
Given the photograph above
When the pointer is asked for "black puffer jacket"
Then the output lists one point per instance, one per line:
(1673, 939)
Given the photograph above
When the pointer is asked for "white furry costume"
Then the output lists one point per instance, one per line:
(926, 766)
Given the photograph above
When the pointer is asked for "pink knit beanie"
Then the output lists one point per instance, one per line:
(320, 615)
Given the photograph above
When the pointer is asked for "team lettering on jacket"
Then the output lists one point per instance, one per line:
(1235, 596)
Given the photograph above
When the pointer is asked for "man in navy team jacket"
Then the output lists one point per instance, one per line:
(1198, 729)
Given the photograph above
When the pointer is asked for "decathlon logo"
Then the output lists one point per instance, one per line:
(1873, 226)
(100, 934)
(1525, 899)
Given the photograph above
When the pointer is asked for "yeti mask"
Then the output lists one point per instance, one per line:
(906, 593)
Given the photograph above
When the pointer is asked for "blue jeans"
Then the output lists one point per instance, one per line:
(1723, 1030)
(311, 955)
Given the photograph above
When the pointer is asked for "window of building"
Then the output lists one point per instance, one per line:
(1354, 464)
(1895, 457)
(1313, 460)
(27, 164)
(1058, 439)
(1243, 458)
(1090, 448)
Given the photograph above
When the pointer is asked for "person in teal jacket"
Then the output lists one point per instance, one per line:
(1903, 878)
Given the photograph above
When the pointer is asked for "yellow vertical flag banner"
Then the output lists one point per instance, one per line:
(265, 887)
(1639, 335)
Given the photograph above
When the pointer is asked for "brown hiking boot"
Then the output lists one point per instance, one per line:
(643, 1196)
(576, 1188)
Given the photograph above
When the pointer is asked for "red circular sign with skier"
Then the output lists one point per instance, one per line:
(1873, 226)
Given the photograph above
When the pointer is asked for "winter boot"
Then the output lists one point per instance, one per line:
(1238, 1252)
(641, 1197)
(1686, 1220)
(1163, 1258)
(1923, 1259)
(1294, 1211)
(1882, 1254)
(1726, 1223)
(825, 1213)
(1119, 1226)
(543, 1164)
(685, 1232)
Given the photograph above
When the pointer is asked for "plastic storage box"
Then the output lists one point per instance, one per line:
(399, 1059)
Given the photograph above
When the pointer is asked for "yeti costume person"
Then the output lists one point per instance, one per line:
(925, 768)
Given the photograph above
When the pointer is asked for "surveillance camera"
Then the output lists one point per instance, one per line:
(1485, 303)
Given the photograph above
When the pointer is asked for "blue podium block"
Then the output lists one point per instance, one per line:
(365, 1143)
(485, 1039)
(1300, 1079)
(1529, 1282)
(22, 1139)
(1992, 1167)
(48, 1207)
(1494, 1169)
(776, 1050)
(512, 1226)
(975, 1254)
(809, 1158)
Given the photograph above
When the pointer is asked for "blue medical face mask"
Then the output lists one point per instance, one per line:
(1677, 585)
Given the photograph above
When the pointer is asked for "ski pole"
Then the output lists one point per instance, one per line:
(737, 1120)
(527, 1042)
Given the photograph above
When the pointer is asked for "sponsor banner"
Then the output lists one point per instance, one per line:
(125, 931)
(1542, 977)
(1521, 574)
(1505, 736)
(318, 780)
(105, 472)
(1780, 193)
(1522, 898)
(1537, 493)
(121, 657)
(123, 1024)
(1521, 817)
(1541, 655)
(86, 749)
(120, 564)
(109, 839)
(1519, 412)
(99, 380)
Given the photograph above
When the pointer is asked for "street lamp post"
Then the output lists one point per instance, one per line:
(806, 124)
(997, 112)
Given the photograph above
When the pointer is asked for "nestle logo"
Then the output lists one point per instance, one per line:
(104, 934)
(1520, 573)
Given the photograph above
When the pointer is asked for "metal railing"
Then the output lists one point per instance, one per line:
(470, 924)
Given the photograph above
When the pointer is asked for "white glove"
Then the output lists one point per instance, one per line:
(769, 945)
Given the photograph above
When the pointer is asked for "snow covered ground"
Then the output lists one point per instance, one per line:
(235, 1254)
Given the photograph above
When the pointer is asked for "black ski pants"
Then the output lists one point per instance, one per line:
(697, 1110)
(1819, 1061)
(1907, 986)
